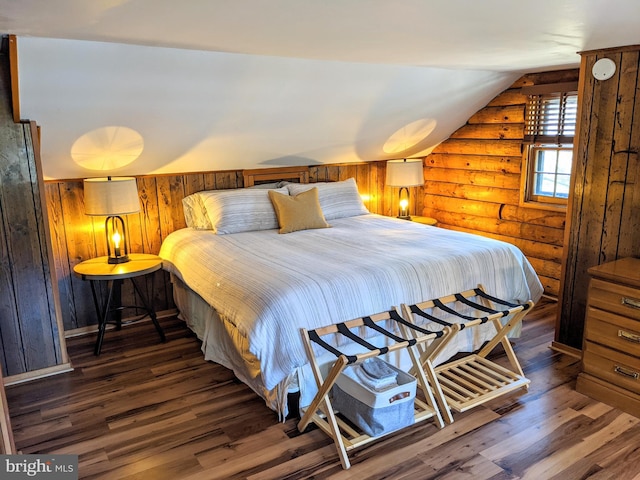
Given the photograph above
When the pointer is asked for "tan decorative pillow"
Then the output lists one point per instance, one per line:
(299, 212)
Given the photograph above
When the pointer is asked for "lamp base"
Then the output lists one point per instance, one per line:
(404, 217)
(116, 260)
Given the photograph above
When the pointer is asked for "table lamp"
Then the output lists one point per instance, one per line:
(404, 174)
(112, 197)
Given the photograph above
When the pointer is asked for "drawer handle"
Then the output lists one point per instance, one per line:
(629, 337)
(631, 302)
(626, 372)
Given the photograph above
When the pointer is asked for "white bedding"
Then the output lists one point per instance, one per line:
(265, 286)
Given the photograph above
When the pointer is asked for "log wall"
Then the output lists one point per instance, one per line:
(77, 237)
(473, 182)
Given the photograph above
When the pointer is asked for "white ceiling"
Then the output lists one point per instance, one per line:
(245, 83)
(487, 34)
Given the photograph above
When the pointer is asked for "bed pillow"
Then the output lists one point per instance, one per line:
(240, 210)
(299, 212)
(337, 199)
(195, 215)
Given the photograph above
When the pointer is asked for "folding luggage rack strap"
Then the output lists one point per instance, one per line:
(321, 412)
(473, 379)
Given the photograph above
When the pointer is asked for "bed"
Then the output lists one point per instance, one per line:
(246, 290)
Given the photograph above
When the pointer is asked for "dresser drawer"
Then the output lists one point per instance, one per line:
(612, 366)
(615, 331)
(615, 298)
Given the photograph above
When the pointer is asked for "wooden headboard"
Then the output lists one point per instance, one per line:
(266, 175)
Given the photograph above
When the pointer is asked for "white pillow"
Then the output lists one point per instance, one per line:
(240, 210)
(195, 214)
(337, 199)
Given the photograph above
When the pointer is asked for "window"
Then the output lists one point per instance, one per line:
(550, 173)
(550, 122)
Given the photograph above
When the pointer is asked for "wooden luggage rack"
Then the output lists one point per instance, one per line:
(473, 379)
(321, 412)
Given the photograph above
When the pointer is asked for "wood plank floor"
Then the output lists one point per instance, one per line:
(145, 410)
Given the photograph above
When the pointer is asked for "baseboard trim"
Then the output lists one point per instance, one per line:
(566, 349)
(35, 374)
(89, 329)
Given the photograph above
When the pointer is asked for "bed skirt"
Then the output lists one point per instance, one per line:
(222, 346)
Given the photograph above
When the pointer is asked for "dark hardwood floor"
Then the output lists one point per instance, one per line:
(145, 410)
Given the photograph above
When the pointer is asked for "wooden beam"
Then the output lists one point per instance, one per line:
(13, 69)
(550, 88)
(35, 143)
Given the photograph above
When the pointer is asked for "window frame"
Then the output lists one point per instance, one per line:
(528, 196)
(534, 142)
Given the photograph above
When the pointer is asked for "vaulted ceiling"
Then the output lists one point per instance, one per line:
(153, 86)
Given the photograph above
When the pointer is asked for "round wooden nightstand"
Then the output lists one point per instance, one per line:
(424, 220)
(98, 269)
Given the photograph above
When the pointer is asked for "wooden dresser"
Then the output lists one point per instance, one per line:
(611, 344)
(7, 445)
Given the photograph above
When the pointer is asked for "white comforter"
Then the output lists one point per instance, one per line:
(270, 285)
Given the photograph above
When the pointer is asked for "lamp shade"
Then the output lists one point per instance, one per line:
(405, 173)
(111, 196)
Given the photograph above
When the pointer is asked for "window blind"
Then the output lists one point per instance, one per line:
(551, 118)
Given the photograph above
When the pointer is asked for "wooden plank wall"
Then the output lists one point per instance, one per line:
(472, 182)
(604, 215)
(77, 237)
(29, 330)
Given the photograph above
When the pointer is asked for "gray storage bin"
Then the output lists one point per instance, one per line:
(376, 413)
